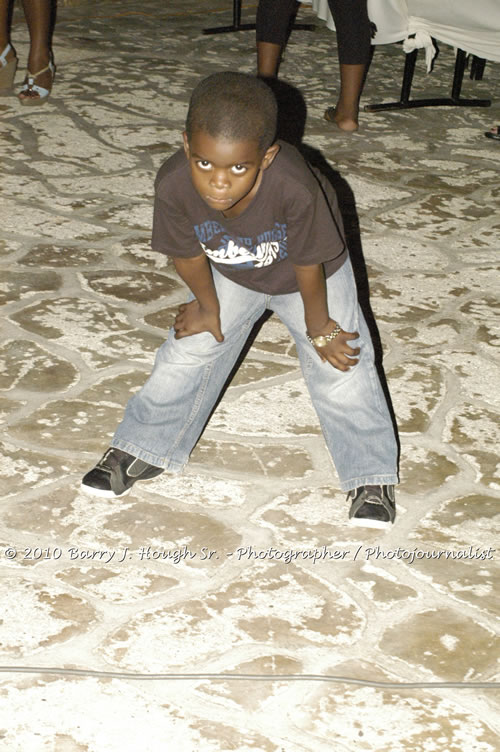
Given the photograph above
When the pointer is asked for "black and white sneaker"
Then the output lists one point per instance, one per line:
(116, 472)
(372, 506)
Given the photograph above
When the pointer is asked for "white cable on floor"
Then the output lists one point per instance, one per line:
(248, 677)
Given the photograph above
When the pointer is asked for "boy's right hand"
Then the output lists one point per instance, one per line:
(193, 319)
(339, 353)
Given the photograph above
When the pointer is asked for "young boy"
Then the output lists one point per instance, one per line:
(250, 226)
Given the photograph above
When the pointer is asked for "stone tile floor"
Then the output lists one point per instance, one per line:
(97, 584)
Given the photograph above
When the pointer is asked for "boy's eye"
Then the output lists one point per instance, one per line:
(204, 164)
(238, 169)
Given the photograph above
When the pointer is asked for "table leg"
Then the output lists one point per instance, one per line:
(455, 100)
(238, 26)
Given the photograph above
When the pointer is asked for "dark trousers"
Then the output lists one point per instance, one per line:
(351, 22)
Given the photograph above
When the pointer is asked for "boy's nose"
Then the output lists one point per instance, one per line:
(219, 179)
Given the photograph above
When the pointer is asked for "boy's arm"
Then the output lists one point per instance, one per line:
(312, 285)
(202, 314)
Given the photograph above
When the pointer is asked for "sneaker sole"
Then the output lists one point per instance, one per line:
(373, 524)
(102, 493)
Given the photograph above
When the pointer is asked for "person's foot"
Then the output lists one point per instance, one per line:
(493, 133)
(7, 53)
(8, 65)
(344, 123)
(38, 81)
(372, 506)
(116, 472)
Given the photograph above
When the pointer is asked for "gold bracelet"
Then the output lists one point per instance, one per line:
(323, 339)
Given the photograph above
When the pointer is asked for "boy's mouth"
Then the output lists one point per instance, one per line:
(218, 201)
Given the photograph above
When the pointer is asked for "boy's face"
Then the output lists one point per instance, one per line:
(226, 174)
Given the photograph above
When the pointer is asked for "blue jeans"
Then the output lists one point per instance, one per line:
(164, 420)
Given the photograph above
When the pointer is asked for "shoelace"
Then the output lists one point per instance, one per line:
(109, 461)
(370, 499)
(375, 495)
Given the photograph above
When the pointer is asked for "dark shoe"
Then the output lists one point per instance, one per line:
(372, 506)
(116, 473)
(494, 133)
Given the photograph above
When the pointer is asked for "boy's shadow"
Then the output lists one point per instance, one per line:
(292, 115)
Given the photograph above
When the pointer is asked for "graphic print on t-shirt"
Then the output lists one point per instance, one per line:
(221, 247)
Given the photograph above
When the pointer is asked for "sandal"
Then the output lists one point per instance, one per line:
(29, 86)
(7, 72)
(494, 133)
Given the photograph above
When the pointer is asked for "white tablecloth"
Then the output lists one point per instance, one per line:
(470, 25)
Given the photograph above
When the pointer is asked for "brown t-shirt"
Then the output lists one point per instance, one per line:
(293, 219)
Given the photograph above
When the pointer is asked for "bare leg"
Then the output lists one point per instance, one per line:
(268, 59)
(5, 11)
(273, 22)
(38, 15)
(346, 111)
(8, 62)
(354, 50)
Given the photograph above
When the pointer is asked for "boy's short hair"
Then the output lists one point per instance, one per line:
(234, 107)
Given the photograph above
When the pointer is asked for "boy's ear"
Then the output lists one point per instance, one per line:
(269, 156)
(186, 144)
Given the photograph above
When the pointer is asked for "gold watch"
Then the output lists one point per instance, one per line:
(323, 339)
